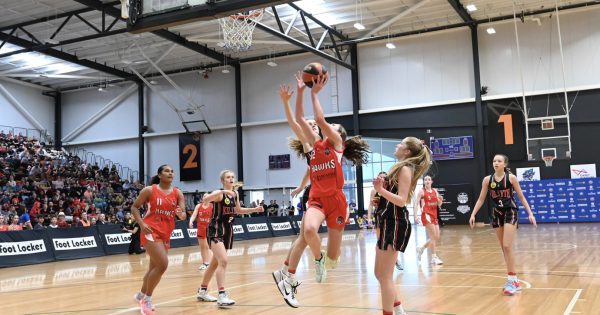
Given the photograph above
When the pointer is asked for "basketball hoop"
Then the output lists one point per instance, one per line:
(548, 160)
(238, 29)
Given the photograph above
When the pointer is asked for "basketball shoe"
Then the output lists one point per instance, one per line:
(203, 296)
(511, 287)
(224, 300)
(398, 310)
(420, 251)
(287, 287)
(321, 271)
(146, 307)
(399, 265)
(436, 260)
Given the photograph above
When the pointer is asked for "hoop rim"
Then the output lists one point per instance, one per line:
(247, 16)
(548, 159)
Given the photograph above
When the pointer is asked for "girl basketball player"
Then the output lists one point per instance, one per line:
(375, 206)
(502, 185)
(204, 212)
(163, 203)
(302, 148)
(326, 201)
(428, 200)
(226, 204)
(394, 227)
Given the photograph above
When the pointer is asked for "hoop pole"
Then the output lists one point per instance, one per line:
(525, 114)
(562, 62)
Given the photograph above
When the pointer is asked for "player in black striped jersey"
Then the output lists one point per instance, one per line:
(502, 185)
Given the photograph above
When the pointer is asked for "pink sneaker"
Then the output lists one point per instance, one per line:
(146, 307)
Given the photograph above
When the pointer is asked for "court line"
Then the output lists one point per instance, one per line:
(178, 299)
(423, 285)
(571, 305)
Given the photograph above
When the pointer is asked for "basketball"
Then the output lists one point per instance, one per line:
(312, 71)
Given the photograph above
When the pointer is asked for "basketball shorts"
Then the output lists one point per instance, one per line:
(202, 231)
(428, 218)
(501, 216)
(222, 234)
(159, 234)
(395, 233)
(335, 209)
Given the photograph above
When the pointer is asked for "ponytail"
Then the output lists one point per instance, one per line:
(356, 150)
(297, 147)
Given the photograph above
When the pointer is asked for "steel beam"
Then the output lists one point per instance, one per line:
(461, 11)
(196, 13)
(66, 57)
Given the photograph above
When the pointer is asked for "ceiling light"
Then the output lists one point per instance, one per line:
(221, 44)
(52, 41)
(471, 8)
(153, 82)
(390, 45)
(272, 63)
(100, 89)
(359, 26)
(225, 70)
(491, 30)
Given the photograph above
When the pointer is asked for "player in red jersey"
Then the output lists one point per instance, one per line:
(428, 200)
(394, 229)
(327, 201)
(203, 211)
(226, 205)
(302, 148)
(163, 203)
(502, 185)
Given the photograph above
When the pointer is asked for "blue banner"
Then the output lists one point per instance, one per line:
(114, 239)
(75, 243)
(561, 200)
(19, 248)
(452, 148)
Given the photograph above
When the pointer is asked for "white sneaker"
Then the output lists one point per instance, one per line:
(398, 310)
(203, 296)
(287, 287)
(321, 272)
(278, 275)
(203, 267)
(436, 260)
(399, 265)
(224, 300)
(331, 263)
(420, 251)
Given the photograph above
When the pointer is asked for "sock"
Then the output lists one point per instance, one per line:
(291, 271)
(320, 258)
(147, 298)
(512, 276)
(397, 303)
(204, 287)
(286, 263)
(388, 312)
(206, 264)
(221, 290)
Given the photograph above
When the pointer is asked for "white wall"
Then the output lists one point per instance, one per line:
(259, 143)
(430, 68)
(540, 54)
(39, 106)
(260, 86)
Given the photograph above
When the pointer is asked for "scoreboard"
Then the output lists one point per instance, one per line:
(561, 200)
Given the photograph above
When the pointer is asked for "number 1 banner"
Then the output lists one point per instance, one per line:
(189, 158)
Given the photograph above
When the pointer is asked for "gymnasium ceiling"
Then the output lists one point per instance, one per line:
(110, 52)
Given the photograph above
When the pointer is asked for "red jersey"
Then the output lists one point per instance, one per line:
(204, 214)
(430, 202)
(326, 176)
(161, 209)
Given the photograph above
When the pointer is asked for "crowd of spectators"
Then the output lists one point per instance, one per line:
(41, 187)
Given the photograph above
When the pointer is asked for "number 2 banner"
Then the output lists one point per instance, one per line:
(189, 158)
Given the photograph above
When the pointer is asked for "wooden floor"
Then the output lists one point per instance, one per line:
(558, 264)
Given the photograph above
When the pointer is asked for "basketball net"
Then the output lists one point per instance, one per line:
(238, 29)
(548, 160)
